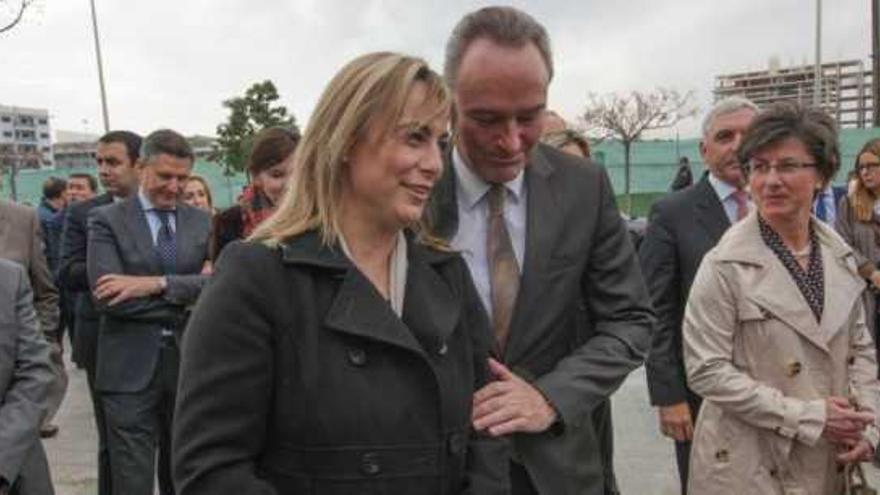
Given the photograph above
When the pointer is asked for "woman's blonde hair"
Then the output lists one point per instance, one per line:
(862, 199)
(367, 96)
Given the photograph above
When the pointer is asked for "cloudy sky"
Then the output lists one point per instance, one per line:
(170, 63)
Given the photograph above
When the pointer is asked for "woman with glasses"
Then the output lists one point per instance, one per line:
(774, 334)
(858, 222)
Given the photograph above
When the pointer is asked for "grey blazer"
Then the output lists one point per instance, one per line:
(683, 226)
(25, 378)
(583, 318)
(21, 240)
(119, 242)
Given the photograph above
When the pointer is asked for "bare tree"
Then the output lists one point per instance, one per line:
(17, 8)
(626, 117)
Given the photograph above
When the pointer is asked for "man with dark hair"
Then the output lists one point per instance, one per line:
(147, 256)
(549, 254)
(81, 187)
(117, 154)
(53, 202)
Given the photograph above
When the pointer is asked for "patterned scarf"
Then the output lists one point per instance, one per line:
(255, 207)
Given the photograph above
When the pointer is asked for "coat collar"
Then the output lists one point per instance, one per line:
(773, 289)
(431, 310)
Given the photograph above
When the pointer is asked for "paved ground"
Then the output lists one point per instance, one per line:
(645, 461)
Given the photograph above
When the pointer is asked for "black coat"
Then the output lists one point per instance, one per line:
(297, 377)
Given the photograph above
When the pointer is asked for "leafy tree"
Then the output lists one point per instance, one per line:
(248, 115)
(626, 117)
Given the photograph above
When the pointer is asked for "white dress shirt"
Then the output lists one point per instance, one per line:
(473, 222)
(725, 195)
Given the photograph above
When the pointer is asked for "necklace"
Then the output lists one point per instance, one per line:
(803, 253)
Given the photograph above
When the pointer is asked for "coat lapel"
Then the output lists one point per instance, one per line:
(431, 310)
(541, 232)
(843, 288)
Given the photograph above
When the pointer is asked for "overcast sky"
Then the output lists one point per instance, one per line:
(170, 63)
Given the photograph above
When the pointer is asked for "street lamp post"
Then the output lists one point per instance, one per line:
(817, 76)
(100, 68)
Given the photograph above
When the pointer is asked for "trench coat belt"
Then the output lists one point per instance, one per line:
(358, 462)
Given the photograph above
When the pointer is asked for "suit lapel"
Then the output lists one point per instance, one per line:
(710, 212)
(137, 224)
(542, 229)
(442, 211)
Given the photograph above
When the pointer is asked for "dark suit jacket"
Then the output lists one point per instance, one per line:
(119, 241)
(583, 318)
(74, 278)
(682, 227)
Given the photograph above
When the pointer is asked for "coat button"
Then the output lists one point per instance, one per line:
(357, 357)
(774, 473)
(851, 360)
(794, 368)
(443, 349)
(456, 444)
(370, 464)
(722, 456)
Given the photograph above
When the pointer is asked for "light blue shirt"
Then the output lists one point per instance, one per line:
(153, 219)
(725, 195)
(827, 196)
(473, 223)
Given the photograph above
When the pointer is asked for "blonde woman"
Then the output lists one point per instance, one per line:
(858, 222)
(338, 349)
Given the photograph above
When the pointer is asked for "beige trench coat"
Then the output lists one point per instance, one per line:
(755, 353)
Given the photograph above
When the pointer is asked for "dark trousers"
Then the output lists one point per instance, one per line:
(104, 472)
(683, 449)
(520, 481)
(138, 423)
(604, 428)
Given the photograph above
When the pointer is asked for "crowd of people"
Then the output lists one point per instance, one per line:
(432, 291)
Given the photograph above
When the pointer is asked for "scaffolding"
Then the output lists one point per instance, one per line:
(844, 89)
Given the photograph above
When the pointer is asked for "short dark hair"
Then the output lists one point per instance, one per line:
(166, 142)
(93, 183)
(788, 119)
(505, 26)
(130, 140)
(271, 146)
(54, 187)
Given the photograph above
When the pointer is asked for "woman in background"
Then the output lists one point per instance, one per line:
(197, 193)
(269, 166)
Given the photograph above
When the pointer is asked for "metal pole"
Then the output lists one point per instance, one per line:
(100, 68)
(875, 52)
(817, 77)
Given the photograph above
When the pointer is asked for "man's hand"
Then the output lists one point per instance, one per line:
(676, 422)
(843, 423)
(510, 405)
(121, 288)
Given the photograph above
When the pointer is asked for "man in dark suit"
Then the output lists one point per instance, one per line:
(146, 258)
(117, 153)
(549, 255)
(682, 227)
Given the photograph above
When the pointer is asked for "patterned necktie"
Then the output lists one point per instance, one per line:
(165, 243)
(821, 210)
(503, 267)
(742, 203)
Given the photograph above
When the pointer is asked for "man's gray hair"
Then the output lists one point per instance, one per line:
(165, 142)
(506, 26)
(726, 106)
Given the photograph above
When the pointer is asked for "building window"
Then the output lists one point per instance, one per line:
(5, 118)
(43, 121)
(46, 149)
(7, 134)
(44, 135)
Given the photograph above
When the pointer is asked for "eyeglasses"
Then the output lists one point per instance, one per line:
(782, 167)
(868, 166)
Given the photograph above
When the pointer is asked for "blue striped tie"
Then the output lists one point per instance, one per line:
(165, 243)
